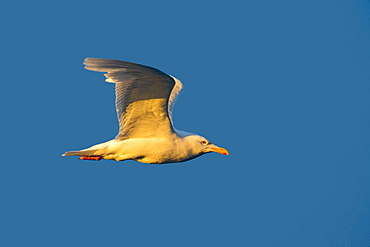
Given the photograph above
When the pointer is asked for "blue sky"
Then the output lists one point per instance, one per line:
(283, 85)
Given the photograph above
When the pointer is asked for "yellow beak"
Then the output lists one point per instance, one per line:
(220, 150)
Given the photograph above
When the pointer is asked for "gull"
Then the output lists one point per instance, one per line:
(144, 100)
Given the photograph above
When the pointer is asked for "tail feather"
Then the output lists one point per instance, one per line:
(80, 153)
(98, 149)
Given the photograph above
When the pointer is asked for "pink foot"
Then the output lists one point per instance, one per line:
(96, 157)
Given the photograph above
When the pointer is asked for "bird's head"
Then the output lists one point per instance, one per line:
(205, 146)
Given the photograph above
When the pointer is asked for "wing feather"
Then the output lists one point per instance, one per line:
(174, 94)
(144, 97)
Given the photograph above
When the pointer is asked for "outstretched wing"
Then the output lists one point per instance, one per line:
(144, 97)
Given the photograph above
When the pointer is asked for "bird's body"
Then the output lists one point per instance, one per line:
(144, 99)
(145, 150)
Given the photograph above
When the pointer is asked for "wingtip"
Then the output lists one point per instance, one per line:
(87, 60)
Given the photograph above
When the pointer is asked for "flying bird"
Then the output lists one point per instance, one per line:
(144, 100)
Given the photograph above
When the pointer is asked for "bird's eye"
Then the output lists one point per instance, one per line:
(204, 142)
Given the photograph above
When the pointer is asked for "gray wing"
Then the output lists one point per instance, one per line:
(174, 94)
(144, 97)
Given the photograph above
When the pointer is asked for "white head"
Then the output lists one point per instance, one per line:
(201, 145)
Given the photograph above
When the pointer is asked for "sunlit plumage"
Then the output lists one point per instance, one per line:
(144, 101)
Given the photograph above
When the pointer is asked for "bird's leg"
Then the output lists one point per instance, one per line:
(94, 157)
